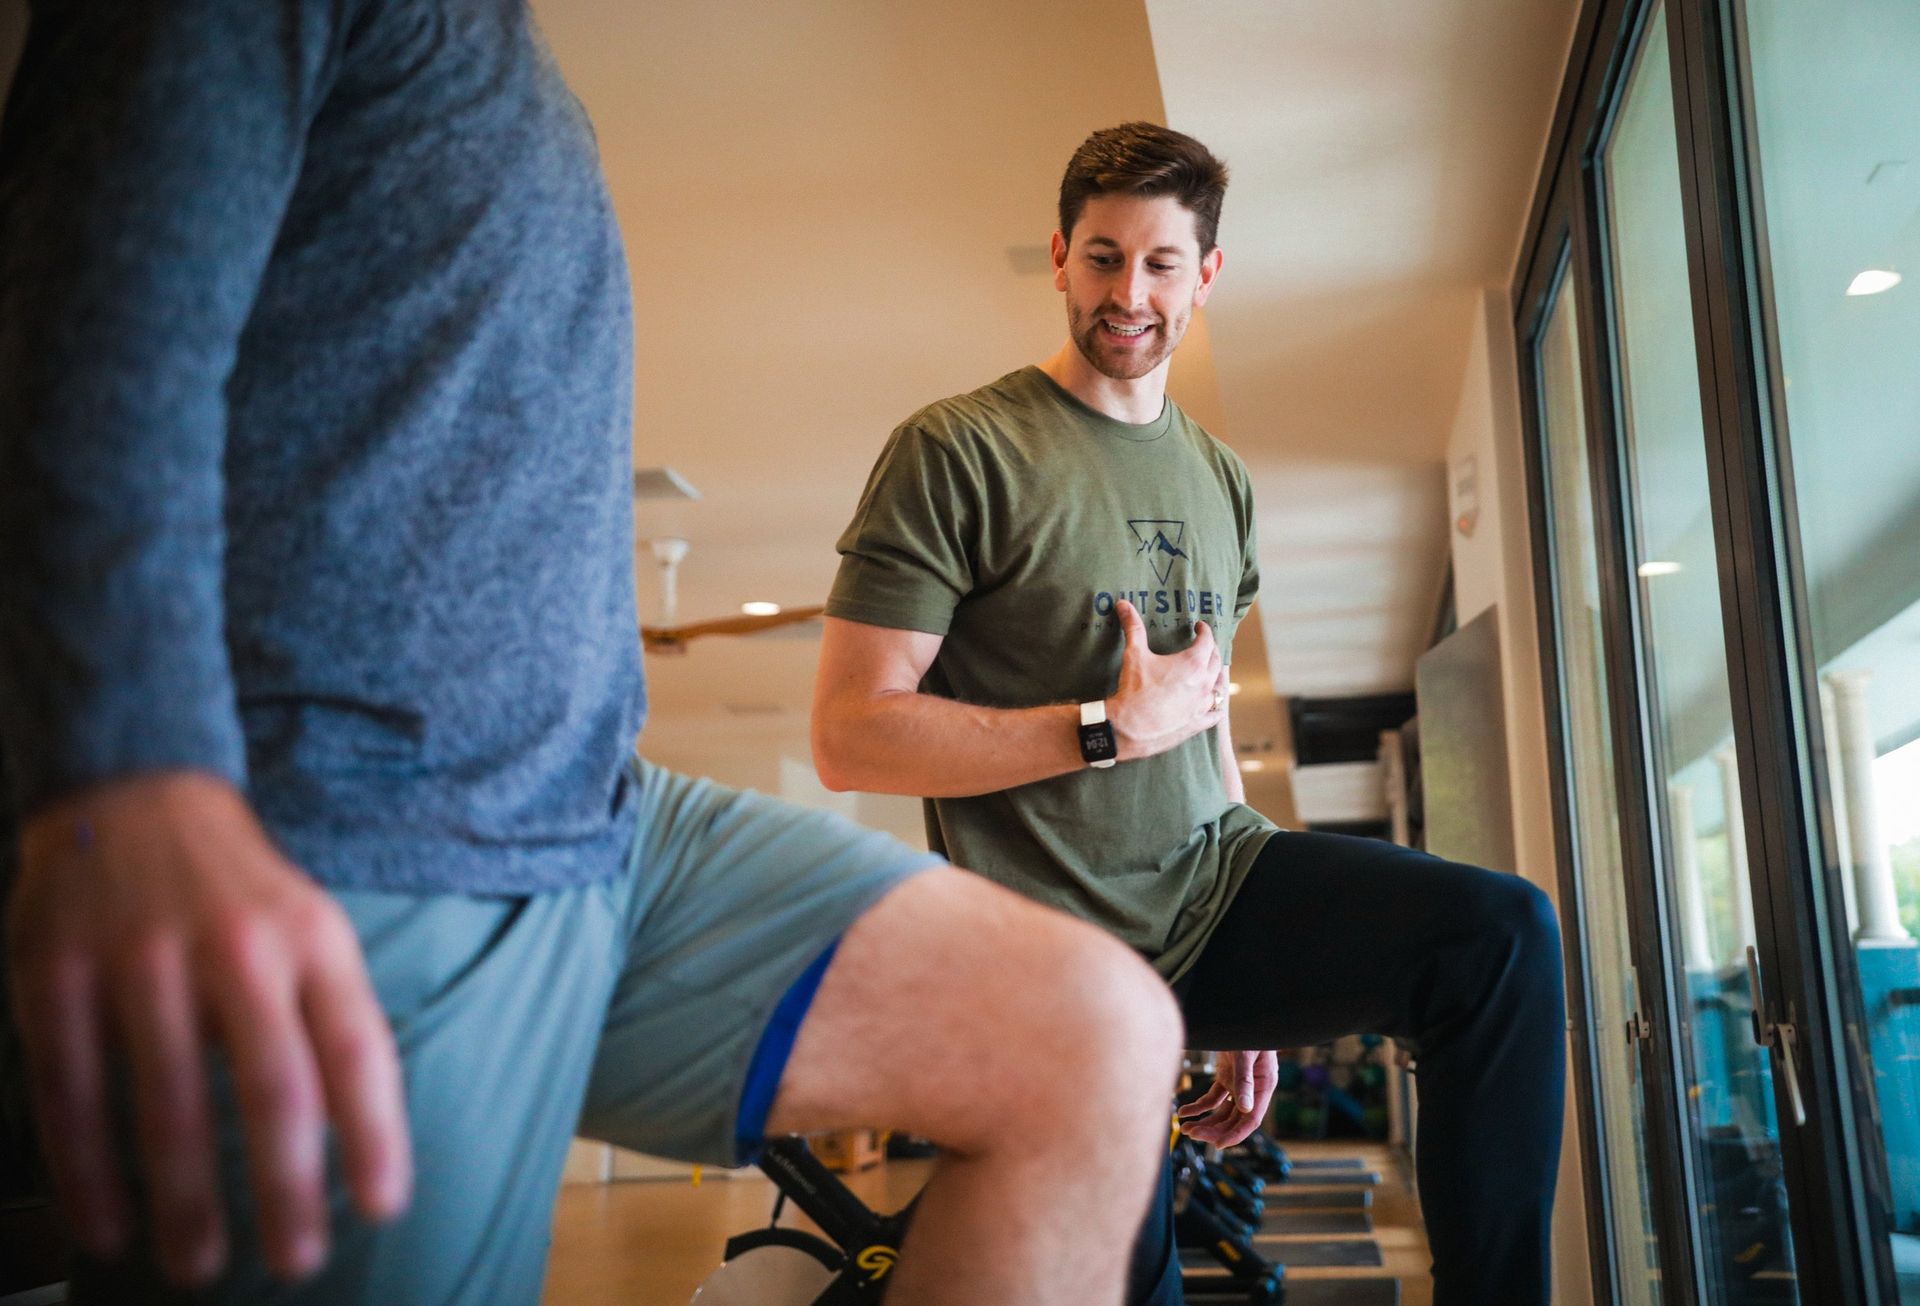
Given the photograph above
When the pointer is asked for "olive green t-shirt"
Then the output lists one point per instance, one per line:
(1009, 520)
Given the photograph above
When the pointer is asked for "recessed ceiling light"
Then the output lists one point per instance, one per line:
(1233, 687)
(1873, 281)
(1659, 568)
(759, 608)
(1253, 764)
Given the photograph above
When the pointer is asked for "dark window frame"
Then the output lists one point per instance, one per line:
(1609, 38)
(1841, 1247)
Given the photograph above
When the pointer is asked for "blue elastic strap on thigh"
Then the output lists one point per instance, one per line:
(770, 1058)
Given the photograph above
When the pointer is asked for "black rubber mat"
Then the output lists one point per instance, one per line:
(1342, 1252)
(1324, 1223)
(1329, 1163)
(1288, 1197)
(1346, 1178)
(1316, 1292)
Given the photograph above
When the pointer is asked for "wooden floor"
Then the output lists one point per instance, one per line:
(651, 1243)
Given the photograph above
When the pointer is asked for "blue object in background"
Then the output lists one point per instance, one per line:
(1890, 998)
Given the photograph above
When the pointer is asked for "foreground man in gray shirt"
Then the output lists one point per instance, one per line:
(319, 682)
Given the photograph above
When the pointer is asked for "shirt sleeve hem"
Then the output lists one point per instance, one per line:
(923, 620)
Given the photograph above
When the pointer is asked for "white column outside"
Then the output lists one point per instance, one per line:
(1736, 854)
(1842, 833)
(1879, 903)
(1694, 938)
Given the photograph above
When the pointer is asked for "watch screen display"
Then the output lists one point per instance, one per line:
(1096, 742)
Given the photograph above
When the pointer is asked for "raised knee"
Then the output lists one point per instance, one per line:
(1529, 939)
(1134, 1012)
(1119, 1018)
(1530, 919)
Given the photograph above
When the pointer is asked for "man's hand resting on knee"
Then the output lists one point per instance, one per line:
(1243, 1084)
(153, 918)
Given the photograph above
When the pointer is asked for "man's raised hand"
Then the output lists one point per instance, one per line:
(1163, 699)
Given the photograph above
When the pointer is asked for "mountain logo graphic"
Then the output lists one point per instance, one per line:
(1160, 543)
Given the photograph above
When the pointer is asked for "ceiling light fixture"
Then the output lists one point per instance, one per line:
(1233, 687)
(1253, 764)
(760, 608)
(662, 483)
(1873, 281)
(1659, 568)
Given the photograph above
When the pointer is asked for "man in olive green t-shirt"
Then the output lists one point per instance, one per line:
(1031, 627)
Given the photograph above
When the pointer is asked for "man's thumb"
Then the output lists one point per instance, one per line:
(1132, 629)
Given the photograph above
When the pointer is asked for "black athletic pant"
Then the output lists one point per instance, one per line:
(1335, 935)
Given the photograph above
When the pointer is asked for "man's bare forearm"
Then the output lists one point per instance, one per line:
(930, 747)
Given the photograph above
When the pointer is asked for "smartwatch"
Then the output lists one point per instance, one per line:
(1097, 744)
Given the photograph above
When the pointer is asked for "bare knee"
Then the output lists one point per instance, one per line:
(1099, 1052)
(1125, 1017)
(961, 1011)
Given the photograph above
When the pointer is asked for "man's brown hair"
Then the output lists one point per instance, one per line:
(1145, 159)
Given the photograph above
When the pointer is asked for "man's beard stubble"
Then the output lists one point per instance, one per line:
(1088, 339)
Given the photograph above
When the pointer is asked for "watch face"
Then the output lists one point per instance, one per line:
(1097, 743)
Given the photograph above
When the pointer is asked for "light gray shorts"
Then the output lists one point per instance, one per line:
(629, 1010)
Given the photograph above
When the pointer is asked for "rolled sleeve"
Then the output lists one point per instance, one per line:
(907, 558)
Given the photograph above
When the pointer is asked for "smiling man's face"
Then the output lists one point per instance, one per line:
(1132, 276)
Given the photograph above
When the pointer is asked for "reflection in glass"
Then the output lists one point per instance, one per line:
(1738, 1198)
(1834, 101)
(1592, 801)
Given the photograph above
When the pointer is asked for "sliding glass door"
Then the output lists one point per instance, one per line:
(1612, 998)
(1737, 1193)
(1830, 94)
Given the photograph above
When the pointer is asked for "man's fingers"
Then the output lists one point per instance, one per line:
(155, 1011)
(1203, 638)
(1217, 1124)
(1266, 1078)
(360, 1072)
(1239, 1132)
(278, 1091)
(56, 1006)
(1206, 1102)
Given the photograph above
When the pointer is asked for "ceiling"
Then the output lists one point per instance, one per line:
(832, 212)
(1383, 159)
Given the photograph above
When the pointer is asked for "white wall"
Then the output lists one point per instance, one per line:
(1493, 569)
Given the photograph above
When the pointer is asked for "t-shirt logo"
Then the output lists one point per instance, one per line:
(1160, 543)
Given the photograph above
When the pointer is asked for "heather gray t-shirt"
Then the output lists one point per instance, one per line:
(1009, 520)
(315, 447)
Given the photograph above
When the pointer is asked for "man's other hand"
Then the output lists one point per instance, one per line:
(152, 918)
(1243, 1084)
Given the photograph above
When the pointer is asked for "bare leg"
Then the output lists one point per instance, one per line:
(1036, 1050)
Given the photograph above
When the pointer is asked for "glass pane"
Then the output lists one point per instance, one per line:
(1595, 808)
(1738, 1197)
(1834, 101)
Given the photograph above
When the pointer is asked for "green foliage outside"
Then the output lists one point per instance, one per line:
(1716, 878)
(1906, 882)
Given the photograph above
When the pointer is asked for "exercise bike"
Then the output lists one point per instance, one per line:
(778, 1266)
(1215, 1215)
